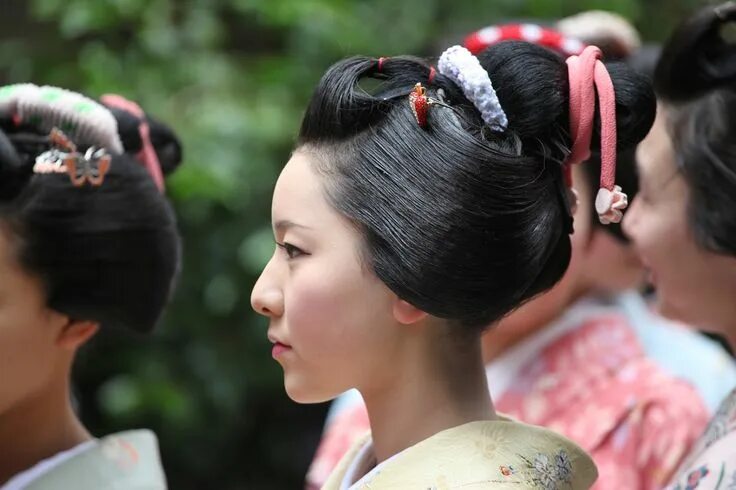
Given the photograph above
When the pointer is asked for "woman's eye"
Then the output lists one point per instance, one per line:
(644, 197)
(291, 251)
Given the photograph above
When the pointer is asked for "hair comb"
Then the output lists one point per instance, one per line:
(63, 157)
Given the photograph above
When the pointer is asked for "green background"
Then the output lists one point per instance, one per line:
(232, 77)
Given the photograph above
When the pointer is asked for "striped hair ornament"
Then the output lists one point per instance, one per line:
(83, 120)
(549, 38)
(459, 65)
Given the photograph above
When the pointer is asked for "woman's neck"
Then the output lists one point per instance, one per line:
(433, 389)
(38, 428)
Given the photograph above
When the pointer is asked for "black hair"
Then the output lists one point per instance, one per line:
(108, 254)
(463, 222)
(696, 81)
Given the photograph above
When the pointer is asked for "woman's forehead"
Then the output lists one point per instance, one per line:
(655, 154)
(298, 198)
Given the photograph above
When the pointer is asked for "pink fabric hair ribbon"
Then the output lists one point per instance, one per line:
(587, 75)
(147, 156)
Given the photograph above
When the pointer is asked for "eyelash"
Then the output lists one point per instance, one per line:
(291, 251)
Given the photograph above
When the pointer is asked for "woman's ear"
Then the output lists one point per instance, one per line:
(406, 313)
(76, 333)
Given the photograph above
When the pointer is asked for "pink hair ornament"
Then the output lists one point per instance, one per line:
(588, 75)
(147, 155)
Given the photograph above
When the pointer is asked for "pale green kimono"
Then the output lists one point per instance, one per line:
(124, 461)
(499, 454)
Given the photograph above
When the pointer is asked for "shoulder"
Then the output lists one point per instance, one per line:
(492, 454)
(681, 351)
(668, 397)
(666, 420)
(127, 460)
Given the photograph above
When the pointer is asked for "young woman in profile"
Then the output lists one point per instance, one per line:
(683, 223)
(87, 241)
(411, 217)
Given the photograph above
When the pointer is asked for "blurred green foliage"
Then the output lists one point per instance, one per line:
(232, 76)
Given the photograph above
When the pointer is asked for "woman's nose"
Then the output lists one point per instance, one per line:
(631, 216)
(267, 297)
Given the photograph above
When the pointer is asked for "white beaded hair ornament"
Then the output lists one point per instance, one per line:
(460, 66)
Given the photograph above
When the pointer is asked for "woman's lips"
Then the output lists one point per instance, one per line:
(650, 275)
(279, 349)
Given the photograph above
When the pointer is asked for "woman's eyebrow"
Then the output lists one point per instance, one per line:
(283, 225)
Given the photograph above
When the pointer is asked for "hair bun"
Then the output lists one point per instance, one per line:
(533, 87)
(164, 140)
(611, 32)
(697, 58)
(167, 145)
(12, 171)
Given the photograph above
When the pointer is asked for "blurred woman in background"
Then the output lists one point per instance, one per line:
(683, 223)
(87, 241)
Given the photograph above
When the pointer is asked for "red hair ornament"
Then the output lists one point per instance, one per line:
(419, 104)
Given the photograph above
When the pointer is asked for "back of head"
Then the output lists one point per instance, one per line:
(462, 219)
(696, 81)
(611, 32)
(107, 253)
(618, 40)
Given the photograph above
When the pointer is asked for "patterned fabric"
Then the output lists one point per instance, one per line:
(493, 454)
(711, 465)
(125, 461)
(681, 351)
(593, 384)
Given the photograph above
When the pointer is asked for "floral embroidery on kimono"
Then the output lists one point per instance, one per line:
(547, 471)
(711, 465)
(498, 454)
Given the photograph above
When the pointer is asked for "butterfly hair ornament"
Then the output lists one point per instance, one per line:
(63, 158)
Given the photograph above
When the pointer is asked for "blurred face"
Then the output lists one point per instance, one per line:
(693, 285)
(330, 320)
(536, 313)
(28, 331)
(599, 262)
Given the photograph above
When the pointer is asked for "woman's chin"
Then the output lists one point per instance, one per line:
(299, 392)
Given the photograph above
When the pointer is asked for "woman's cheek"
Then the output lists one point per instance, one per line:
(319, 308)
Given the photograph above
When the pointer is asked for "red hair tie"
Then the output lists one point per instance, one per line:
(380, 64)
(588, 75)
(432, 74)
(147, 156)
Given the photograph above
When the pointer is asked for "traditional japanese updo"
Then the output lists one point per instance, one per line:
(107, 253)
(462, 219)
